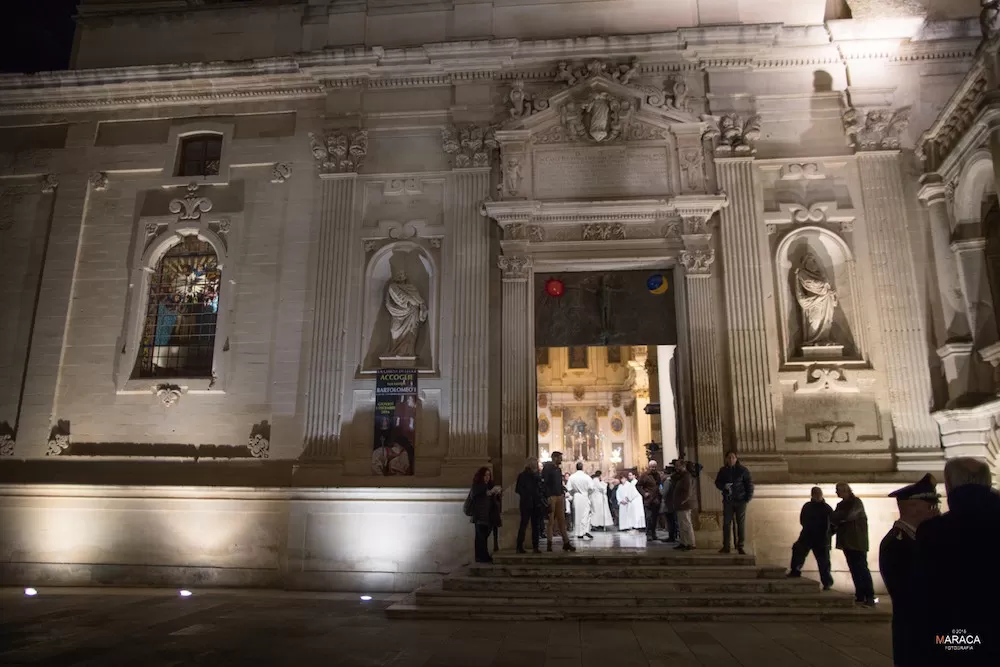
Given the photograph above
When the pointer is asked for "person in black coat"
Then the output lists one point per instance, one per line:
(956, 586)
(481, 501)
(897, 557)
(814, 536)
(850, 522)
(529, 490)
(736, 485)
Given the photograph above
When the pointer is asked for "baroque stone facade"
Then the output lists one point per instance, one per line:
(258, 204)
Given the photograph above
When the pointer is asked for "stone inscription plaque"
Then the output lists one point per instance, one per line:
(601, 171)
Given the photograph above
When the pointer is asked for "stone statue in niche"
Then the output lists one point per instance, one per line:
(408, 311)
(818, 300)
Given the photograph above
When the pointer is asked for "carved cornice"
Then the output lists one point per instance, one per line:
(469, 145)
(339, 152)
(311, 75)
(954, 120)
(626, 212)
(876, 129)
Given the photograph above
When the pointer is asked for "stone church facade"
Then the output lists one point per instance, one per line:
(816, 180)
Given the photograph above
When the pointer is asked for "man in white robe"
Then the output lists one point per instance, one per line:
(600, 509)
(579, 485)
(631, 515)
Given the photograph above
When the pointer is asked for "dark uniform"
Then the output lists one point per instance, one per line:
(896, 559)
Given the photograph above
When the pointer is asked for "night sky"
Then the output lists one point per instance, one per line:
(37, 35)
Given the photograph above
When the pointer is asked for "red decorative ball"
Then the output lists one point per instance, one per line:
(554, 287)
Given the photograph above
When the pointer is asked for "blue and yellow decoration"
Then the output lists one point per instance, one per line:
(656, 284)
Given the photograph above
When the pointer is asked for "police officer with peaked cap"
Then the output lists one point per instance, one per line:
(897, 555)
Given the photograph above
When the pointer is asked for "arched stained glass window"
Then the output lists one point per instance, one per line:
(178, 335)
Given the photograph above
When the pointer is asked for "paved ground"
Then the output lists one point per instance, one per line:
(106, 628)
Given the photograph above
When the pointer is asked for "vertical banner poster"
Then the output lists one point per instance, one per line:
(395, 422)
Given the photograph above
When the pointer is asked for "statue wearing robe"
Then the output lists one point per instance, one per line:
(817, 299)
(408, 311)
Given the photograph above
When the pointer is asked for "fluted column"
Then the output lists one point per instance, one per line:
(330, 325)
(701, 292)
(900, 319)
(933, 195)
(470, 244)
(749, 366)
(517, 378)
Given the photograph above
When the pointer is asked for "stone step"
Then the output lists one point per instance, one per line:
(585, 583)
(651, 557)
(545, 570)
(435, 595)
(409, 609)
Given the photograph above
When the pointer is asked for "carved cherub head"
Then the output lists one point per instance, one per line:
(399, 274)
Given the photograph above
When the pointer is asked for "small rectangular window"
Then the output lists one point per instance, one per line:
(541, 356)
(201, 155)
(614, 354)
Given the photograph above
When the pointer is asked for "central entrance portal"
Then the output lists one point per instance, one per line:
(606, 378)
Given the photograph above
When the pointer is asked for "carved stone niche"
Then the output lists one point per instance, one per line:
(420, 265)
(805, 288)
(602, 137)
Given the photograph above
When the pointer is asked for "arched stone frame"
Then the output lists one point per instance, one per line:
(138, 300)
(975, 181)
(180, 132)
(850, 318)
(373, 297)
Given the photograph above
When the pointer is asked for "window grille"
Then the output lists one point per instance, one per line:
(178, 337)
(200, 155)
(614, 354)
(541, 356)
(578, 357)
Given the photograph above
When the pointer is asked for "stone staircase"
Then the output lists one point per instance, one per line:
(641, 585)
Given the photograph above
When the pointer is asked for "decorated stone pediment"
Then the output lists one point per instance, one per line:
(598, 109)
(597, 132)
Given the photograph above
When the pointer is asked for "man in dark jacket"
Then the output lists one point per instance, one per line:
(684, 502)
(552, 481)
(956, 586)
(897, 557)
(529, 490)
(737, 490)
(649, 488)
(815, 536)
(851, 524)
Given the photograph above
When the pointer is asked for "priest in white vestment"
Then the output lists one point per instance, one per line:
(631, 515)
(580, 485)
(600, 508)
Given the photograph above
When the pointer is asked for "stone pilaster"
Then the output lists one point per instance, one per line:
(742, 239)
(330, 317)
(517, 379)
(701, 292)
(470, 245)
(899, 311)
(39, 410)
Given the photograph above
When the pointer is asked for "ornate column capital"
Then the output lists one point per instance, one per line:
(514, 268)
(471, 146)
(339, 151)
(875, 129)
(733, 135)
(698, 261)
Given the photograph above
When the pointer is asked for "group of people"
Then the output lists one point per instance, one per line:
(630, 503)
(939, 569)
